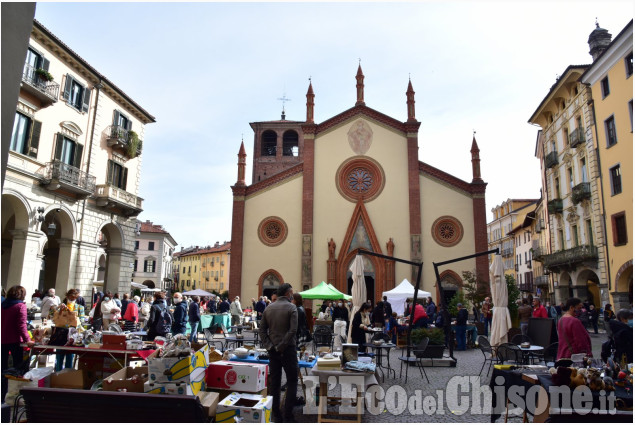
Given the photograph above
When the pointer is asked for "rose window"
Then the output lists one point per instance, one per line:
(360, 178)
(272, 231)
(447, 231)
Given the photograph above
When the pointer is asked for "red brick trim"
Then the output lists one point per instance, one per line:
(480, 237)
(272, 231)
(472, 188)
(373, 172)
(261, 279)
(345, 257)
(308, 186)
(238, 224)
(453, 275)
(369, 112)
(414, 187)
(276, 178)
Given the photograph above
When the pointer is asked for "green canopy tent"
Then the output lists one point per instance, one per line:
(323, 291)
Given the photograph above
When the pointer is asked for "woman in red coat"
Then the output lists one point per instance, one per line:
(14, 330)
(573, 337)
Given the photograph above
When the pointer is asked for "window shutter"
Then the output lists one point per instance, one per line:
(129, 125)
(45, 64)
(109, 172)
(77, 161)
(124, 178)
(34, 143)
(67, 87)
(115, 120)
(58, 146)
(86, 102)
(145, 265)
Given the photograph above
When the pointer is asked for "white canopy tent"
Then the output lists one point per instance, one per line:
(399, 294)
(136, 285)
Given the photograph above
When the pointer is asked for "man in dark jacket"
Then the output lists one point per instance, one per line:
(179, 325)
(212, 306)
(224, 306)
(260, 307)
(278, 329)
(461, 328)
(431, 310)
(194, 317)
(387, 308)
(623, 335)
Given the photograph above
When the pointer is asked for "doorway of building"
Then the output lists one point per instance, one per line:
(369, 278)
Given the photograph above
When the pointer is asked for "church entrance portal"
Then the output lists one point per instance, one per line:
(370, 287)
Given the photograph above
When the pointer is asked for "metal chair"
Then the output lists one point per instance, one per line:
(486, 349)
(418, 352)
(212, 339)
(511, 353)
(549, 354)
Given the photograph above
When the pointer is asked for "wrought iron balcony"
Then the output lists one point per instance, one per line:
(507, 252)
(46, 91)
(526, 287)
(555, 206)
(58, 175)
(540, 225)
(119, 137)
(571, 257)
(580, 192)
(540, 252)
(576, 137)
(541, 280)
(118, 200)
(551, 159)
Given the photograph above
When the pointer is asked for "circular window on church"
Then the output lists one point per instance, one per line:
(360, 179)
(447, 231)
(272, 231)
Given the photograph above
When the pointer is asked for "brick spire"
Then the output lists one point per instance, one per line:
(476, 162)
(242, 163)
(310, 104)
(360, 86)
(410, 96)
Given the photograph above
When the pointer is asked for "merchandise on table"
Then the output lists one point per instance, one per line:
(332, 363)
(250, 408)
(236, 376)
(189, 370)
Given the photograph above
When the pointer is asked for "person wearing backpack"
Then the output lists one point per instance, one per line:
(160, 321)
(180, 314)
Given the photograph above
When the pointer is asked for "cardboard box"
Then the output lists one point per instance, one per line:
(329, 364)
(173, 388)
(123, 380)
(188, 370)
(225, 393)
(68, 378)
(113, 342)
(349, 353)
(236, 376)
(209, 400)
(249, 408)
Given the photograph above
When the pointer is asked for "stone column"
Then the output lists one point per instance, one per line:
(66, 263)
(24, 267)
(114, 259)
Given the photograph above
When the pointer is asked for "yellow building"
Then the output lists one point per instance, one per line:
(499, 230)
(215, 267)
(187, 269)
(610, 78)
(322, 190)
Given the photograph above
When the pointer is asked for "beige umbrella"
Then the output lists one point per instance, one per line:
(358, 291)
(501, 322)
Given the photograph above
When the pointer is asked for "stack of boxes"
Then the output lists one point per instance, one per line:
(177, 375)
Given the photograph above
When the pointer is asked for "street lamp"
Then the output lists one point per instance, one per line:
(51, 229)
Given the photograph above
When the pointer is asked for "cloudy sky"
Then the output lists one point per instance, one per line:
(206, 70)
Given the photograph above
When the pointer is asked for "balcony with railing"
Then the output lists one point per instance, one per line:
(118, 200)
(35, 84)
(58, 175)
(541, 280)
(126, 141)
(551, 159)
(581, 192)
(507, 252)
(540, 252)
(554, 206)
(576, 137)
(540, 225)
(571, 258)
(526, 287)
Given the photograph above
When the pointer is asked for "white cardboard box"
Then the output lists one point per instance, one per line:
(237, 376)
(251, 408)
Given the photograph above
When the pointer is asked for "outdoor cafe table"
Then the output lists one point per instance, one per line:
(379, 349)
(240, 341)
(527, 351)
(523, 379)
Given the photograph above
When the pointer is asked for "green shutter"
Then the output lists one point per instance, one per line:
(86, 102)
(109, 172)
(67, 87)
(124, 178)
(115, 120)
(129, 125)
(77, 160)
(34, 142)
(58, 146)
(45, 64)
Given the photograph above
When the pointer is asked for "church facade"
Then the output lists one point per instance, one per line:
(320, 191)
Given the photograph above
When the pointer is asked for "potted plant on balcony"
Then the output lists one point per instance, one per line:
(133, 144)
(436, 343)
(44, 74)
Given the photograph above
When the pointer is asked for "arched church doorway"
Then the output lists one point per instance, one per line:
(370, 286)
(451, 283)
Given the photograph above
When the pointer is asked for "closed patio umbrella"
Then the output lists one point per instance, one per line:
(358, 291)
(501, 322)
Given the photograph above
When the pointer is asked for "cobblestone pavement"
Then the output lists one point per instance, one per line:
(441, 397)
